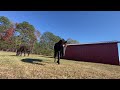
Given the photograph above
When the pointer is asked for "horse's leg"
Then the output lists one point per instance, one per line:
(62, 52)
(24, 53)
(55, 59)
(55, 54)
(20, 53)
(28, 53)
(58, 57)
(17, 53)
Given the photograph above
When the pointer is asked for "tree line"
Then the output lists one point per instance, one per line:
(12, 35)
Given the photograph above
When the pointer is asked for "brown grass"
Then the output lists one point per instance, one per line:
(17, 67)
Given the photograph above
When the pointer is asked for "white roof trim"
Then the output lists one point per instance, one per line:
(97, 43)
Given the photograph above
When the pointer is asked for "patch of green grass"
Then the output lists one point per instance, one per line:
(42, 67)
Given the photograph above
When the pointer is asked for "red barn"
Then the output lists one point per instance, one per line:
(105, 52)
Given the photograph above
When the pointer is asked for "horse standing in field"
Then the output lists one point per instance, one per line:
(59, 50)
(22, 49)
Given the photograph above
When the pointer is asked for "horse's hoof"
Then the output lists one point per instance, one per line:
(58, 62)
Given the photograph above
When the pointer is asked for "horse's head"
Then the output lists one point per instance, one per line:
(62, 41)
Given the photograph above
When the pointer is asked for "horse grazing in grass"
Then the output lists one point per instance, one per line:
(22, 49)
(59, 50)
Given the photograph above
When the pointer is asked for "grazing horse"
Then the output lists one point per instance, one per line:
(59, 50)
(22, 49)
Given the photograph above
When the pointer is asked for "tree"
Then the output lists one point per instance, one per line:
(6, 32)
(5, 23)
(71, 41)
(37, 48)
(6, 28)
(37, 34)
(47, 42)
(26, 33)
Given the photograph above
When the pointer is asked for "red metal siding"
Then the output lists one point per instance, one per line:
(100, 53)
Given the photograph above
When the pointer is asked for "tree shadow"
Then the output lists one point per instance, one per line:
(33, 61)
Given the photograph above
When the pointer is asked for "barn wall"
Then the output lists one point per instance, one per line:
(119, 51)
(100, 53)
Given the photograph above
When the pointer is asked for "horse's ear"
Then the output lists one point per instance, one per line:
(63, 40)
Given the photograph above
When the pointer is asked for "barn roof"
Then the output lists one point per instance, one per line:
(105, 42)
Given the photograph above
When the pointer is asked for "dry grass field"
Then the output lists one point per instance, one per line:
(42, 67)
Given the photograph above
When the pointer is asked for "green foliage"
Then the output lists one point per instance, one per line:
(71, 41)
(4, 24)
(26, 31)
(47, 42)
(26, 34)
(37, 34)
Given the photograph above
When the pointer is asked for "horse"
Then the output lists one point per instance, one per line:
(22, 49)
(59, 50)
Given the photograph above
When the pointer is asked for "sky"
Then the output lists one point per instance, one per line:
(83, 26)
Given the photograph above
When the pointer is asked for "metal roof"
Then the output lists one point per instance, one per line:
(105, 42)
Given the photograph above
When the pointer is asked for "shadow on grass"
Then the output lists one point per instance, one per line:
(33, 61)
(19, 55)
(47, 56)
(12, 55)
(7, 55)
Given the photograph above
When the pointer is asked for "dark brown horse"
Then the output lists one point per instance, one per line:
(22, 49)
(59, 50)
